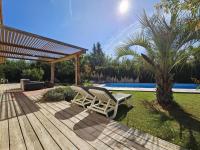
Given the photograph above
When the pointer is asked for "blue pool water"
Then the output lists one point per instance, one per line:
(150, 85)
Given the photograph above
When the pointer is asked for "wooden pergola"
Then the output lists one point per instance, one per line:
(18, 44)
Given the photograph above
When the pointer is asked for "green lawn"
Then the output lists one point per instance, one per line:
(179, 125)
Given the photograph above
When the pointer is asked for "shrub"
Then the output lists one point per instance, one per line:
(62, 93)
(87, 83)
(33, 74)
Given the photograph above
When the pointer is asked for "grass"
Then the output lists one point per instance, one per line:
(179, 125)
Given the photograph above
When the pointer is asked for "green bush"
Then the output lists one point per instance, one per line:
(87, 83)
(62, 93)
(33, 74)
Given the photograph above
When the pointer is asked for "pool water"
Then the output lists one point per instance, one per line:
(150, 85)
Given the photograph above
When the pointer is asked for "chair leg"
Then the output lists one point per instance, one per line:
(107, 115)
(115, 112)
(74, 99)
(83, 102)
(92, 103)
(90, 111)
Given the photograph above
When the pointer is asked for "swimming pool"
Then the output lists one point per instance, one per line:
(149, 85)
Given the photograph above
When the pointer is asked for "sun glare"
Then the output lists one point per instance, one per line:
(123, 6)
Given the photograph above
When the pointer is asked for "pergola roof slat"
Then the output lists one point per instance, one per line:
(18, 44)
(27, 54)
(44, 38)
(8, 55)
(31, 48)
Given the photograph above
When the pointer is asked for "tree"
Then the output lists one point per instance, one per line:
(97, 56)
(177, 6)
(64, 72)
(166, 42)
(33, 74)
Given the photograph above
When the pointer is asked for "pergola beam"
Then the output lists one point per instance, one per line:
(72, 56)
(77, 70)
(52, 73)
(1, 13)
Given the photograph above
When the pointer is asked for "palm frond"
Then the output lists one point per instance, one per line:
(126, 48)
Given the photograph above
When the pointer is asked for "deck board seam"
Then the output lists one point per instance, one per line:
(8, 123)
(14, 115)
(117, 141)
(11, 101)
(75, 123)
(124, 131)
(100, 131)
(44, 125)
(29, 123)
(66, 126)
(1, 104)
(5, 119)
(20, 103)
(19, 122)
(61, 104)
(126, 137)
(98, 139)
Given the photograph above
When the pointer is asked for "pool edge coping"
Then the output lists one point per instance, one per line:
(197, 91)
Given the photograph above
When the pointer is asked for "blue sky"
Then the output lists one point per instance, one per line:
(79, 22)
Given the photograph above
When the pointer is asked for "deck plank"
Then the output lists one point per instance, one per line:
(31, 139)
(44, 137)
(15, 134)
(135, 139)
(82, 125)
(130, 136)
(141, 138)
(107, 131)
(26, 123)
(80, 143)
(110, 140)
(69, 123)
(101, 126)
(60, 139)
(4, 134)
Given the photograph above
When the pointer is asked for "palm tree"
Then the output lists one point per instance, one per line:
(166, 41)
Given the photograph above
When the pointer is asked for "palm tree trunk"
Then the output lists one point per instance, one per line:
(164, 92)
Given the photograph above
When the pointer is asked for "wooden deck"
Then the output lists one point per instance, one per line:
(26, 123)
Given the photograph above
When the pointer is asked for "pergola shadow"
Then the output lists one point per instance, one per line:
(14, 103)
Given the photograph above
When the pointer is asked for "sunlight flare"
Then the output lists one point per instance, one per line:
(124, 6)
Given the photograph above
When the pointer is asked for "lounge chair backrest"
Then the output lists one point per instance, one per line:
(82, 91)
(103, 95)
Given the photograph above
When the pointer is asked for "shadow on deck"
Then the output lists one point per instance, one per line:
(11, 104)
(59, 122)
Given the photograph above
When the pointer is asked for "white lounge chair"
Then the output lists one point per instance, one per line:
(83, 97)
(107, 102)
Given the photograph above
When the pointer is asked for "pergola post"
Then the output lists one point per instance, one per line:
(1, 13)
(52, 72)
(77, 70)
